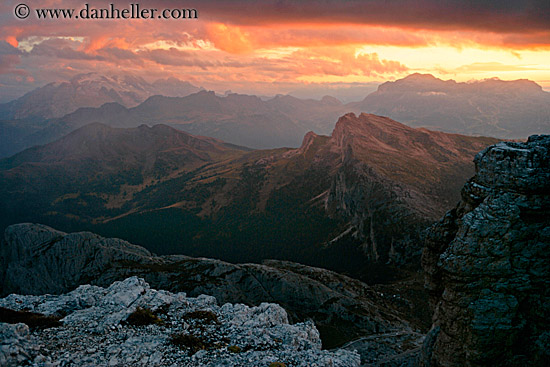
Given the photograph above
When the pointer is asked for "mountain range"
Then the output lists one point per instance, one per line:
(23, 120)
(364, 193)
(502, 109)
(492, 107)
(90, 90)
(238, 119)
(338, 229)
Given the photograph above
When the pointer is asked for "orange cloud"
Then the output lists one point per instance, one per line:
(343, 62)
(493, 67)
(229, 38)
(106, 42)
(318, 35)
(242, 42)
(12, 41)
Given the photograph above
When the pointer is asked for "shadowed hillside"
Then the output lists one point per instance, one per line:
(340, 202)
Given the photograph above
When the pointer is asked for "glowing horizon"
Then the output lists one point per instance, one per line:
(273, 47)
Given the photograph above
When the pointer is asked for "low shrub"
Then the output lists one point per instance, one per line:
(189, 342)
(143, 316)
(234, 349)
(32, 319)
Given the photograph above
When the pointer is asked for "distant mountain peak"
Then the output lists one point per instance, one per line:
(508, 109)
(419, 76)
(112, 106)
(90, 90)
(330, 100)
(118, 148)
(420, 82)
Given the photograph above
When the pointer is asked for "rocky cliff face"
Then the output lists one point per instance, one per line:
(394, 181)
(381, 216)
(100, 328)
(487, 263)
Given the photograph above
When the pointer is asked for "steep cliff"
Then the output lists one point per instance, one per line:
(487, 263)
(394, 181)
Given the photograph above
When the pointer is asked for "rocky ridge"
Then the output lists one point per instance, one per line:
(394, 181)
(37, 259)
(96, 331)
(487, 263)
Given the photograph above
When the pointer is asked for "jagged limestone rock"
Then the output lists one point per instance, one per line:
(14, 345)
(487, 263)
(94, 333)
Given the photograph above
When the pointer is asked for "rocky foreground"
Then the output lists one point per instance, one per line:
(36, 259)
(99, 328)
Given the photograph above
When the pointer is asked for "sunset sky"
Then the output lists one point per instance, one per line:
(269, 47)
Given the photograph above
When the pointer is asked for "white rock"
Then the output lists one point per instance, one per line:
(92, 334)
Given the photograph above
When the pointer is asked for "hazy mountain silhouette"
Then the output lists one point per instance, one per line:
(235, 118)
(504, 109)
(89, 90)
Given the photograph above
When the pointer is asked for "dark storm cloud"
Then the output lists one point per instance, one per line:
(503, 16)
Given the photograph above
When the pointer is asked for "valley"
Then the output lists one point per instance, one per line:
(340, 201)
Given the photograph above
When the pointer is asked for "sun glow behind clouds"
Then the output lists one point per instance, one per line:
(467, 63)
(280, 46)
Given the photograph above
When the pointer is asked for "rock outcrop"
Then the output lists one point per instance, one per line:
(394, 181)
(488, 263)
(36, 259)
(98, 330)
